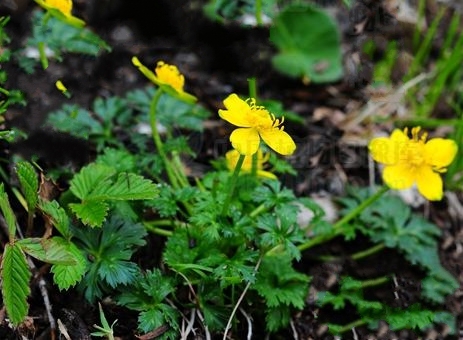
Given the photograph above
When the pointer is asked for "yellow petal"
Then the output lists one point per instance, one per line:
(398, 176)
(387, 150)
(429, 183)
(278, 140)
(266, 174)
(245, 140)
(237, 111)
(440, 152)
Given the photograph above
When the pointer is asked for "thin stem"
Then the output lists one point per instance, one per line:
(356, 256)
(259, 12)
(353, 324)
(4, 91)
(43, 55)
(252, 85)
(157, 138)
(375, 282)
(232, 184)
(367, 252)
(337, 230)
(260, 209)
(361, 207)
(232, 315)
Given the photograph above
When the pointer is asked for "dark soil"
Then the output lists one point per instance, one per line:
(216, 60)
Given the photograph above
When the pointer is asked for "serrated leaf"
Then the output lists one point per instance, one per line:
(115, 271)
(128, 186)
(121, 160)
(15, 288)
(413, 317)
(92, 212)
(66, 276)
(88, 178)
(7, 212)
(58, 217)
(75, 121)
(52, 250)
(29, 183)
(309, 44)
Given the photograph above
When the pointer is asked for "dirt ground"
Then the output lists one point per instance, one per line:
(216, 60)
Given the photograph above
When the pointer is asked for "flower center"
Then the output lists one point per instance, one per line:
(170, 75)
(414, 150)
(260, 118)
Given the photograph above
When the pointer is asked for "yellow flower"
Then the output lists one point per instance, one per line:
(60, 86)
(255, 122)
(167, 77)
(414, 161)
(232, 157)
(61, 9)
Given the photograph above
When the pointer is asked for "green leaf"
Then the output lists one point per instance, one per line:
(309, 46)
(95, 185)
(62, 37)
(65, 275)
(29, 183)
(58, 217)
(279, 284)
(88, 178)
(110, 248)
(120, 160)
(15, 288)
(7, 212)
(413, 317)
(128, 186)
(91, 212)
(75, 121)
(52, 250)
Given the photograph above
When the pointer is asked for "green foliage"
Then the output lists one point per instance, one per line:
(15, 282)
(8, 213)
(61, 38)
(65, 275)
(308, 43)
(105, 330)
(391, 222)
(282, 288)
(52, 250)
(97, 184)
(147, 296)
(370, 312)
(228, 10)
(29, 183)
(109, 249)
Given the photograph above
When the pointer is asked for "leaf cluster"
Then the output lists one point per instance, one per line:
(391, 222)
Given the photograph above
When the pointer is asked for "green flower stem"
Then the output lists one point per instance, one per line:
(252, 85)
(232, 184)
(41, 45)
(157, 231)
(43, 55)
(367, 252)
(157, 139)
(356, 256)
(260, 209)
(428, 122)
(4, 91)
(259, 12)
(375, 282)
(353, 324)
(337, 227)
